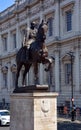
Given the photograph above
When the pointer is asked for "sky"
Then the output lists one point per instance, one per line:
(5, 4)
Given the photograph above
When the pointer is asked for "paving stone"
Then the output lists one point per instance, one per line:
(67, 124)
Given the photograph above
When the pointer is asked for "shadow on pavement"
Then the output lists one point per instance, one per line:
(68, 125)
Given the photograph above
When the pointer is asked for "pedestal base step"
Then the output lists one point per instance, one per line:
(31, 88)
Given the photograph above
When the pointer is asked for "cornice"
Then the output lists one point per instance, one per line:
(53, 43)
(67, 4)
(6, 18)
(70, 38)
(33, 3)
(8, 55)
(61, 41)
(18, 10)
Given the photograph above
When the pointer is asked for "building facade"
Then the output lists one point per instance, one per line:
(63, 42)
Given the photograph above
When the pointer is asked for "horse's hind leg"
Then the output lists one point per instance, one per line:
(17, 74)
(27, 67)
(49, 62)
(36, 72)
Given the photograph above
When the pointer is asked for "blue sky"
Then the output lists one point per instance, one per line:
(5, 4)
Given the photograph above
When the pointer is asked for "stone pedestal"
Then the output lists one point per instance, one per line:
(34, 111)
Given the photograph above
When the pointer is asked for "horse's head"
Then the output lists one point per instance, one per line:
(42, 30)
(44, 26)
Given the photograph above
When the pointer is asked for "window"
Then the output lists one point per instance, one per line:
(69, 20)
(5, 80)
(50, 26)
(14, 40)
(5, 43)
(67, 73)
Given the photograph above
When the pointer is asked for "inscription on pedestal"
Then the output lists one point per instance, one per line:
(45, 106)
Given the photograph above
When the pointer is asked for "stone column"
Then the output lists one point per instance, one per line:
(18, 36)
(41, 74)
(28, 17)
(9, 41)
(57, 82)
(0, 78)
(57, 20)
(9, 77)
(30, 76)
(41, 11)
(0, 45)
(77, 16)
(77, 70)
(20, 79)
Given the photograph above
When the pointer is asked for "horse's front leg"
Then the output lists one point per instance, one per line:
(17, 74)
(27, 67)
(49, 62)
(36, 72)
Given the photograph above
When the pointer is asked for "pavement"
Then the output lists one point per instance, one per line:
(62, 124)
(67, 124)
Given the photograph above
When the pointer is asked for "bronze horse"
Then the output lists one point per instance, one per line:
(38, 53)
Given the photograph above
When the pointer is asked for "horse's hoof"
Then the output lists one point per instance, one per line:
(24, 85)
(16, 87)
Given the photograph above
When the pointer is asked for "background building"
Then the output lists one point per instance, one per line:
(63, 42)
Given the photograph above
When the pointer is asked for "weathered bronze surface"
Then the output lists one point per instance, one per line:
(32, 88)
(37, 53)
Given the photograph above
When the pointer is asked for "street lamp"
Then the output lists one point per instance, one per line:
(72, 96)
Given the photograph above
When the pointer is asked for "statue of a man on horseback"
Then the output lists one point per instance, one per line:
(34, 51)
(29, 37)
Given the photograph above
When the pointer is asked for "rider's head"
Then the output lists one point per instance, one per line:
(33, 24)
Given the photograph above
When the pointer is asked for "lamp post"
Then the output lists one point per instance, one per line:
(72, 96)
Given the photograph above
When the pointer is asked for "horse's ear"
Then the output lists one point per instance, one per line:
(47, 22)
(44, 22)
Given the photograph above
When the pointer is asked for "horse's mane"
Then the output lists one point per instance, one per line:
(40, 34)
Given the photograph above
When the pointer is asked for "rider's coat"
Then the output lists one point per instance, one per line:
(29, 37)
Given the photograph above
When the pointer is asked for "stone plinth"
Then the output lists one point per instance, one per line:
(34, 111)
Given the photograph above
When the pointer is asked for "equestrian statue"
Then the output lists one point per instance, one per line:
(33, 51)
